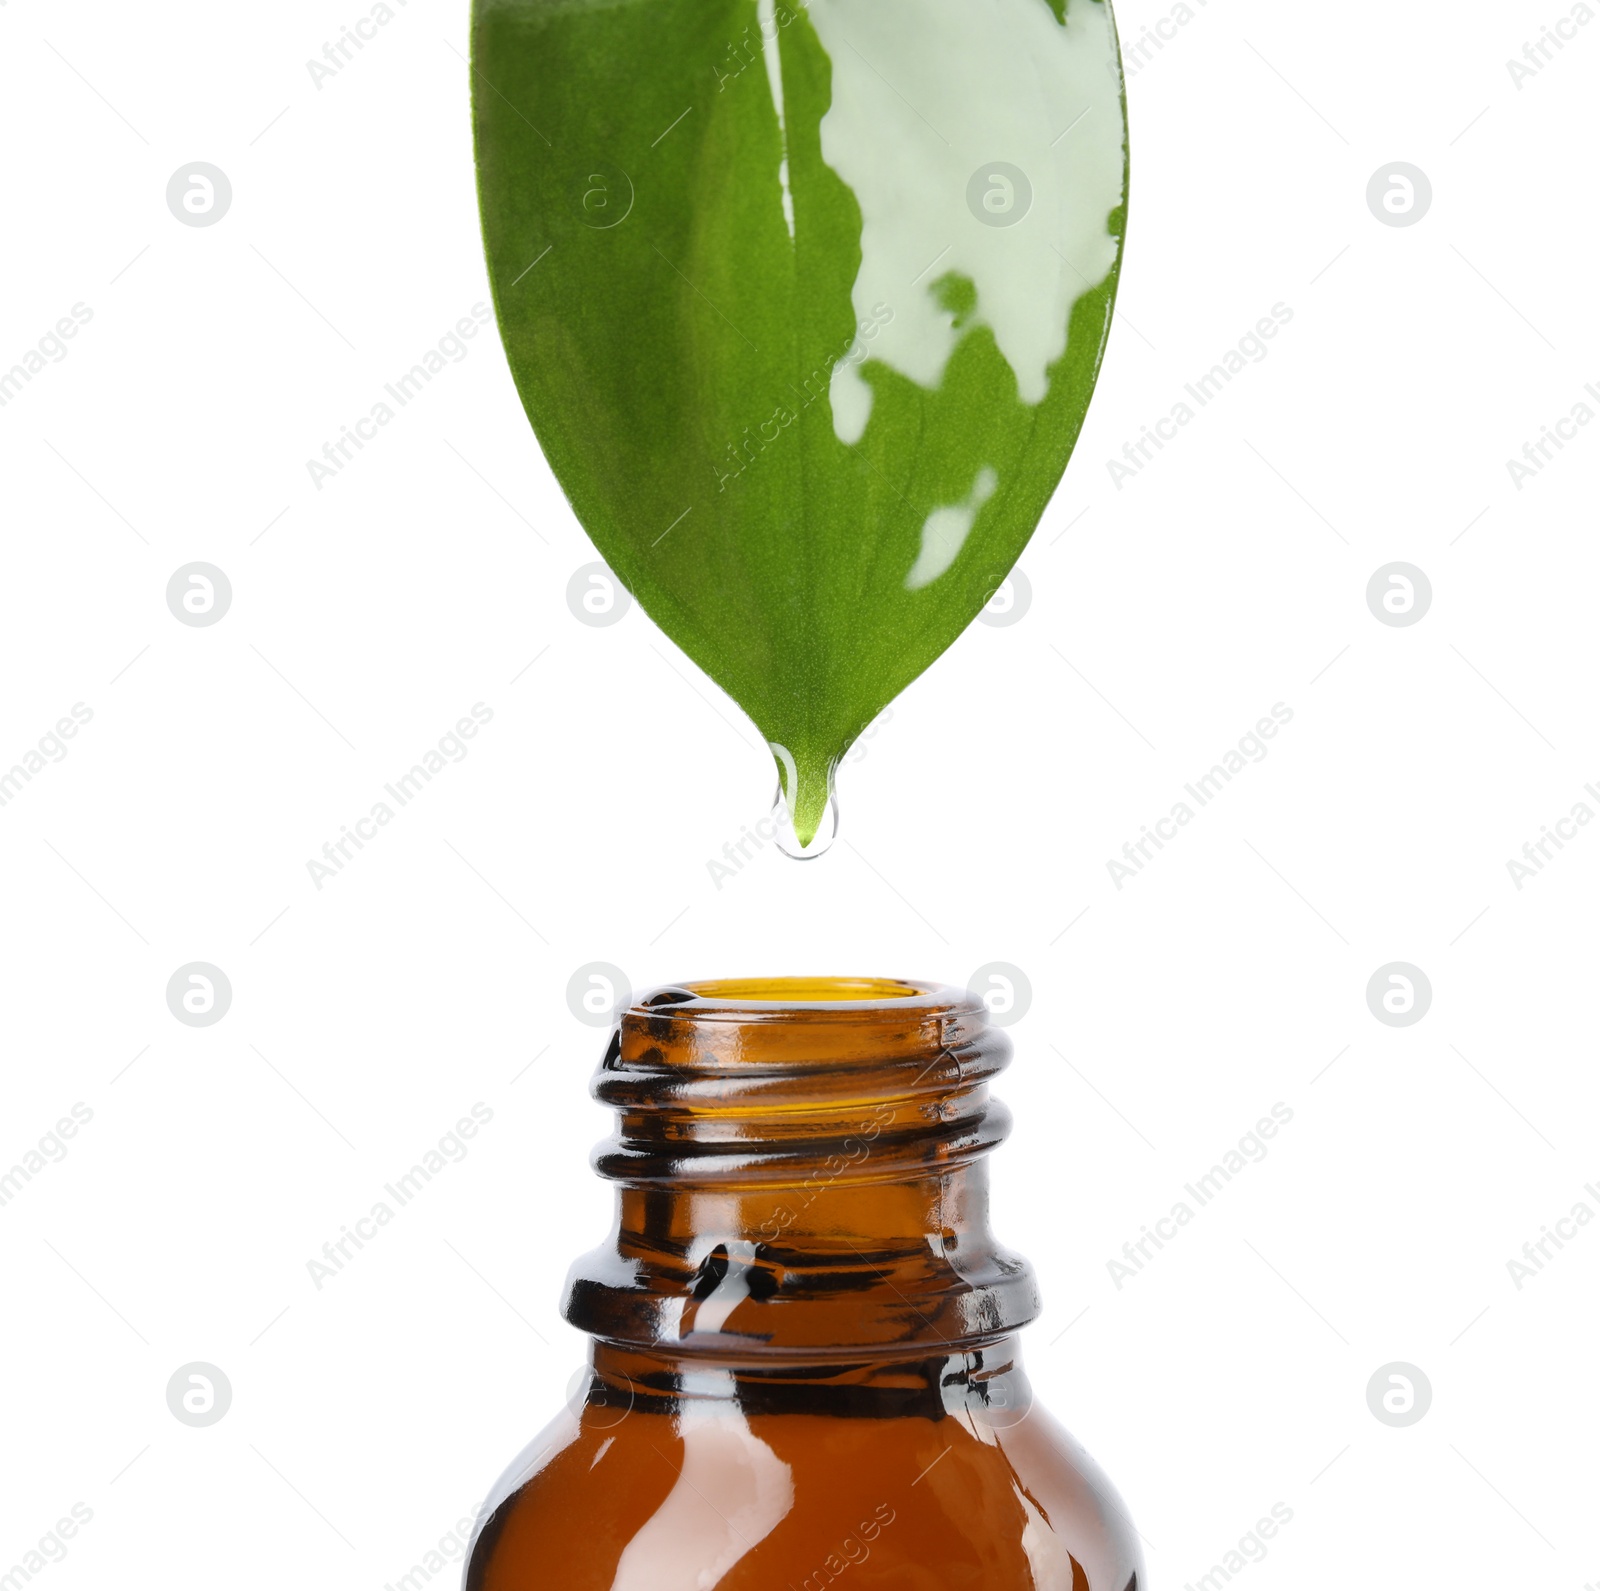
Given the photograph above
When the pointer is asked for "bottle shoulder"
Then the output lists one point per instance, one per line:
(710, 1497)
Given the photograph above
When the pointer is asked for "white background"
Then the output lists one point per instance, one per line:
(1167, 617)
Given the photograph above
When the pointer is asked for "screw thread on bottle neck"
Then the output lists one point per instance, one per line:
(801, 1173)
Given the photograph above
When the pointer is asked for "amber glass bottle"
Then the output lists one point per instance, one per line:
(805, 1367)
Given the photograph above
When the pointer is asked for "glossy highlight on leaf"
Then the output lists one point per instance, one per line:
(805, 300)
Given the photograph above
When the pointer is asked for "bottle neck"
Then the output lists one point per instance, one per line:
(801, 1181)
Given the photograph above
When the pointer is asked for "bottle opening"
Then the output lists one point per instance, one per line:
(791, 992)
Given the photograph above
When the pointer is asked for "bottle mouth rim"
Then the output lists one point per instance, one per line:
(755, 997)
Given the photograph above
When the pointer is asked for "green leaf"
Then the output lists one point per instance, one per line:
(806, 302)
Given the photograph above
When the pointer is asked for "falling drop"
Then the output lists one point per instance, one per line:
(788, 841)
(805, 811)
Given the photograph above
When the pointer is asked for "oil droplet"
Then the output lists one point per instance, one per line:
(819, 810)
(805, 811)
(789, 842)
